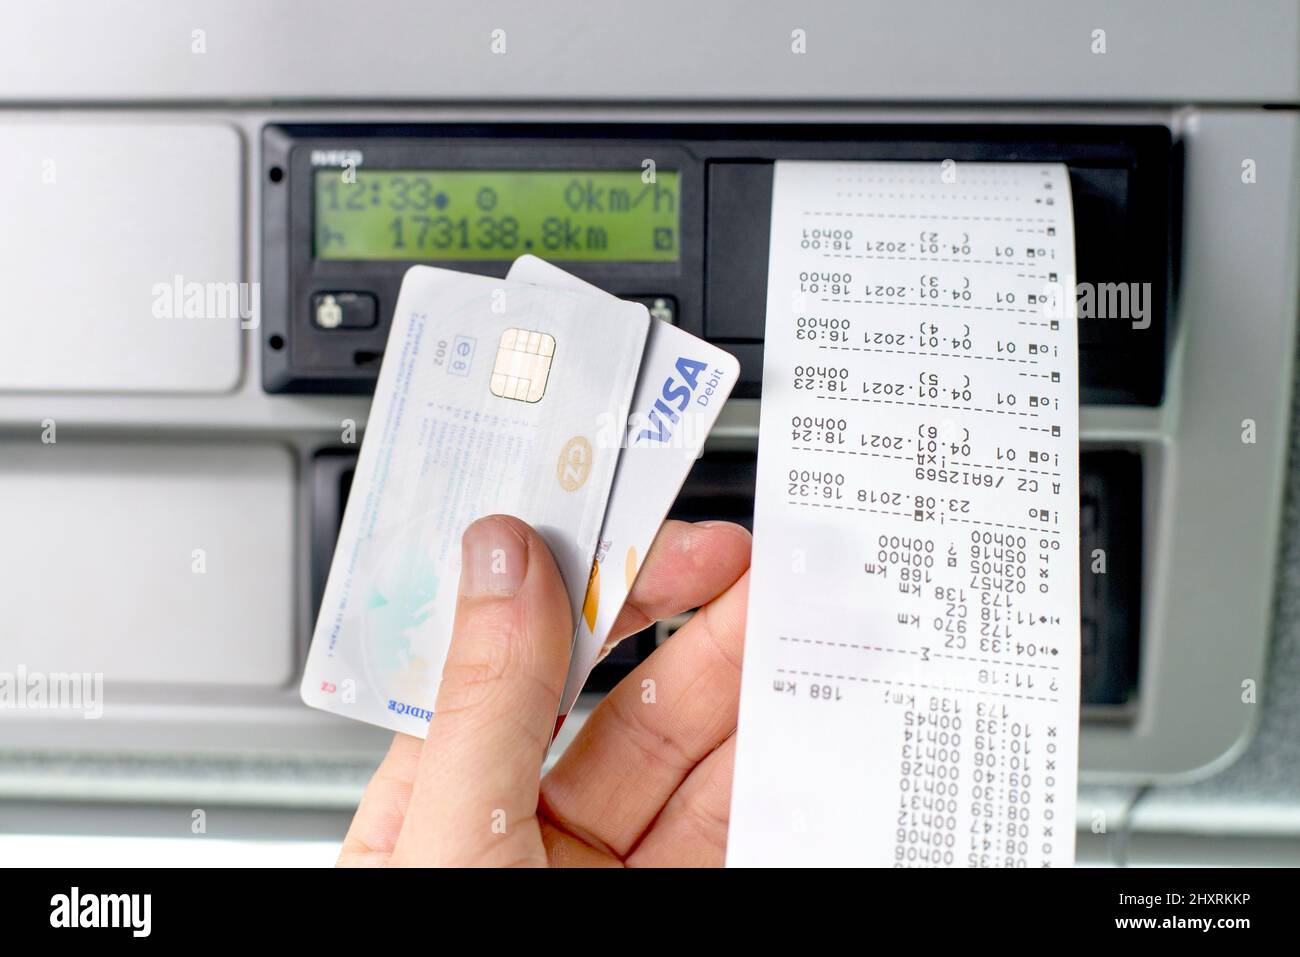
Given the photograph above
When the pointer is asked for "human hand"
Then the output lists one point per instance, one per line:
(647, 781)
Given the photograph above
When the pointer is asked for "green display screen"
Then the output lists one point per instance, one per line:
(608, 215)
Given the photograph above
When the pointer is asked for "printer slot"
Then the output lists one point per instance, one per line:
(1120, 192)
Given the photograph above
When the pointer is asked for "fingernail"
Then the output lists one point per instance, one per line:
(734, 526)
(493, 559)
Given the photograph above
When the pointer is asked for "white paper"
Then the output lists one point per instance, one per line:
(911, 674)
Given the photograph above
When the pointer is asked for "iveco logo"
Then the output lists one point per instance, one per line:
(336, 158)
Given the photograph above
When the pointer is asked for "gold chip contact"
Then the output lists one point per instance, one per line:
(523, 365)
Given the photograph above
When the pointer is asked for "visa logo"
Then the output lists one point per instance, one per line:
(675, 396)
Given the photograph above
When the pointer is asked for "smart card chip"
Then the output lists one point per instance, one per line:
(523, 365)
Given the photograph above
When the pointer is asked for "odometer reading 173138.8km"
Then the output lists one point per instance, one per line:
(612, 215)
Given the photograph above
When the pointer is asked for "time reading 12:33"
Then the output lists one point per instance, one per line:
(612, 215)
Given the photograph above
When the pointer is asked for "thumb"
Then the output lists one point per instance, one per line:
(475, 795)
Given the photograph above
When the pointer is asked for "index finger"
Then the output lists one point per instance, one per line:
(687, 566)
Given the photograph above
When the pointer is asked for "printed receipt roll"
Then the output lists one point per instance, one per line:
(910, 693)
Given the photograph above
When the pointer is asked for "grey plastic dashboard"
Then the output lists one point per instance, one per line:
(169, 451)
